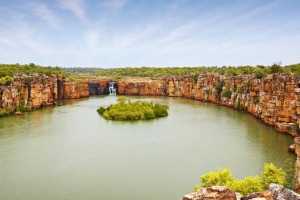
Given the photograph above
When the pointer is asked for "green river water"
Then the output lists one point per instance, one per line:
(70, 152)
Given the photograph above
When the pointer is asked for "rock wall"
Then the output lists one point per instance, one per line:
(274, 99)
(38, 91)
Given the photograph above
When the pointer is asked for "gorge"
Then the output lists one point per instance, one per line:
(274, 99)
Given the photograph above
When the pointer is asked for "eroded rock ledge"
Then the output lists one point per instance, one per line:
(274, 192)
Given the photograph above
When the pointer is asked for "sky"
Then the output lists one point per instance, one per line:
(153, 33)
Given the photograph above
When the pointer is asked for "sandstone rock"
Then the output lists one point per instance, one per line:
(292, 148)
(18, 113)
(266, 195)
(214, 193)
(281, 193)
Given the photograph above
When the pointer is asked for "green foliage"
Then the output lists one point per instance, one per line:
(22, 107)
(255, 100)
(259, 74)
(276, 69)
(137, 110)
(219, 178)
(160, 110)
(218, 88)
(6, 80)
(10, 70)
(239, 89)
(6, 111)
(227, 93)
(101, 110)
(296, 128)
(272, 174)
(249, 184)
(2, 112)
(289, 169)
(196, 77)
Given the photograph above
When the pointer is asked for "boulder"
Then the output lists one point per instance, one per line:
(266, 195)
(292, 148)
(281, 193)
(213, 193)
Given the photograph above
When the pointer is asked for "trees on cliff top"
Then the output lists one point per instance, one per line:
(259, 71)
(30, 69)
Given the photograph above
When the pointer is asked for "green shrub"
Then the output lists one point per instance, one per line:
(289, 169)
(259, 74)
(218, 88)
(240, 89)
(196, 77)
(2, 112)
(138, 110)
(160, 110)
(250, 184)
(6, 80)
(220, 178)
(247, 185)
(6, 111)
(101, 110)
(227, 93)
(276, 69)
(272, 174)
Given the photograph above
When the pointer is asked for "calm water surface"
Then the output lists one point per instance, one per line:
(70, 152)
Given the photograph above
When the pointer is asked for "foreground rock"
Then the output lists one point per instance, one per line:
(215, 193)
(274, 192)
(266, 195)
(281, 193)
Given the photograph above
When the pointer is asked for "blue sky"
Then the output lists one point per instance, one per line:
(120, 33)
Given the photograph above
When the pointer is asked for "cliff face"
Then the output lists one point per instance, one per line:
(38, 91)
(274, 99)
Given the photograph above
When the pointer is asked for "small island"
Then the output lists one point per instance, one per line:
(126, 109)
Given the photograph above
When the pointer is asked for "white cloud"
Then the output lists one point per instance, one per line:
(76, 6)
(42, 11)
(92, 37)
(114, 3)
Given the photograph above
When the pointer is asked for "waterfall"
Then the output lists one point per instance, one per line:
(112, 90)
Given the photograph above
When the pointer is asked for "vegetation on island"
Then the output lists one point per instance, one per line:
(223, 177)
(126, 109)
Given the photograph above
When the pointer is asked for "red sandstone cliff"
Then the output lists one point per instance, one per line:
(40, 91)
(275, 99)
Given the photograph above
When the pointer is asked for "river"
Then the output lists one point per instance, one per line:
(70, 152)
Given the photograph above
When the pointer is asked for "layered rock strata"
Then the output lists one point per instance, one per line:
(38, 91)
(274, 99)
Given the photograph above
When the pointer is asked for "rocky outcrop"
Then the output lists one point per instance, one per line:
(266, 195)
(37, 91)
(281, 193)
(98, 86)
(297, 165)
(213, 193)
(142, 87)
(274, 192)
(274, 99)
